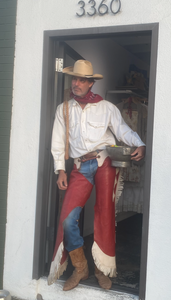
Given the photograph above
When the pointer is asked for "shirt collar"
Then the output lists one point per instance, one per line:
(75, 103)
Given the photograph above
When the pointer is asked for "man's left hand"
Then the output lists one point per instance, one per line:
(138, 154)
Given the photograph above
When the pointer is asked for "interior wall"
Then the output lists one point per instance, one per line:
(109, 59)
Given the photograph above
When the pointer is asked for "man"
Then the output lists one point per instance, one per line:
(93, 122)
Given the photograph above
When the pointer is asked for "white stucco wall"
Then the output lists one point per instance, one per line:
(33, 17)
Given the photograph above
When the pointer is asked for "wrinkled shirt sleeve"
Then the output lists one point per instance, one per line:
(122, 131)
(58, 140)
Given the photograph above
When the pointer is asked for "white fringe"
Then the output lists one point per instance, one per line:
(105, 263)
(56, 269)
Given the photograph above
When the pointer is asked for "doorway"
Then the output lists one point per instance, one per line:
(115, 59)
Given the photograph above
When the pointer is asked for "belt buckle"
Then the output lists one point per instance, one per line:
(84, 158)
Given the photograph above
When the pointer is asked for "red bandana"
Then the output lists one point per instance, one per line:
(88, 98)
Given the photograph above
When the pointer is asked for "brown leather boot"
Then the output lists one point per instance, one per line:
(104, 281)
(81, 269)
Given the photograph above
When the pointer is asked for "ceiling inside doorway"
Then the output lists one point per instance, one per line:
(138, 43)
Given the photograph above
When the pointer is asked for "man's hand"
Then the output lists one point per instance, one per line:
(138, 154)
(62, 180)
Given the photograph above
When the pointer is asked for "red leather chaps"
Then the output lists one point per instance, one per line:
(77, 193)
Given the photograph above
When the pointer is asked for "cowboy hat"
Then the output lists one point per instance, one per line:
(82, 68)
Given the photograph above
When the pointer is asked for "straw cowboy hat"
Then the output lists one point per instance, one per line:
(82, 68)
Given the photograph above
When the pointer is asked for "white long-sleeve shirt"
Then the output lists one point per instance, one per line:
(90, 128)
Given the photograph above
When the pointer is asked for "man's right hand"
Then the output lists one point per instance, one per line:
(62, 180)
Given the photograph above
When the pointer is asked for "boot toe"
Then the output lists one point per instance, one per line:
(104, 281)
(75, 278)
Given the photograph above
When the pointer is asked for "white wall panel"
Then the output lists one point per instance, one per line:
(33, 18)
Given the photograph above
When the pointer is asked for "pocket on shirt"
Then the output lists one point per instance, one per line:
(95, 130)
(74, 130)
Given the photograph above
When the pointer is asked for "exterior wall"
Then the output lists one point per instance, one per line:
(33, 17)
(7, 43)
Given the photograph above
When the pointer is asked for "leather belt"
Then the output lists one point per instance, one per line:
(88, 156)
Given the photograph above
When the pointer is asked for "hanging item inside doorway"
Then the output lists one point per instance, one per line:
(100, 9)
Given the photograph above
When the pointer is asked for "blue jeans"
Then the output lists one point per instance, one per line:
(88, 169)
(72, 238)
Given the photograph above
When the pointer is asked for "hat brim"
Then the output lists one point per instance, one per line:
(69, 71)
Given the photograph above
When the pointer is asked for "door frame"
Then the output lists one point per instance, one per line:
(44, 142)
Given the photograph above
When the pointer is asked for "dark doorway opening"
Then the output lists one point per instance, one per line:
(48, 198)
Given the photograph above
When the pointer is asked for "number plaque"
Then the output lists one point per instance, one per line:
(101, 9)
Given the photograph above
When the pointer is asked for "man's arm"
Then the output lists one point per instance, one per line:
(125, 134)
(58, 141)
(139, 153)
(62, 180)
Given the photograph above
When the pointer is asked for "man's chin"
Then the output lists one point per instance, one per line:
(77, 94)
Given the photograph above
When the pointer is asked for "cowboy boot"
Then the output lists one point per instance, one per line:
(104, 281)
(81, 269)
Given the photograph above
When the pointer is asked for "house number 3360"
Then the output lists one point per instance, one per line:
(101, 9)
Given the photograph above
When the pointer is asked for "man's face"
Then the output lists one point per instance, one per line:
(80, 86)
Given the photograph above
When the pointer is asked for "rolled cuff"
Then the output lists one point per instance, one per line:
(141, 144)
(60, 165)
(137, 142)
